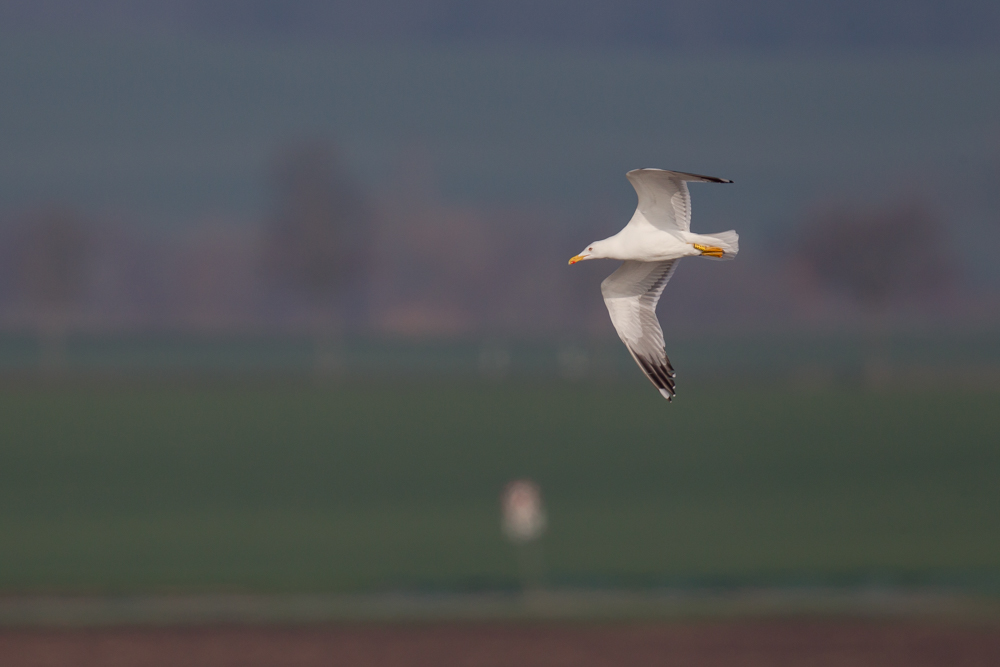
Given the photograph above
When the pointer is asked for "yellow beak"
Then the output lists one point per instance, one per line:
(575, 259)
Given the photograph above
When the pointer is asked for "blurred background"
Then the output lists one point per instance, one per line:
(284, 302)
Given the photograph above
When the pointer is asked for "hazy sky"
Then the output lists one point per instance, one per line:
(767, 25)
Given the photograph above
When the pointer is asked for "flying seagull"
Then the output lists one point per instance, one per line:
(651, 244)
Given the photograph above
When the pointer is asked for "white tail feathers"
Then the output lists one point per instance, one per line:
(728, 241)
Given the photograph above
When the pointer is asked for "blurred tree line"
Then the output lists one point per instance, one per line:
(330, 260)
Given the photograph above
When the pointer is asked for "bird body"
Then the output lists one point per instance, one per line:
(650, 245)
(645, 243)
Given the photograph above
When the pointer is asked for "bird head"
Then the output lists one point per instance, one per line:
(592, 251)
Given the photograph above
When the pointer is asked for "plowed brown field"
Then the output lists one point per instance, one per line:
(696, 644)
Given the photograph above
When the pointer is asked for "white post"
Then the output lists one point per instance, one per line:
(524, 522)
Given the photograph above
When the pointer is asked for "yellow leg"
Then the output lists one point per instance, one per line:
(709, 250)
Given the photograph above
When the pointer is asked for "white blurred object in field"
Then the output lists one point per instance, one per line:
(523, 513)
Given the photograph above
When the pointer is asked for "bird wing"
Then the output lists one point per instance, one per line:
(664, 200)
(631, 294)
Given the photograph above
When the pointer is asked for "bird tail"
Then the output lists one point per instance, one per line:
(728, 241)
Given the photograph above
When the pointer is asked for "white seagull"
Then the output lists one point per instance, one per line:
(656, 237)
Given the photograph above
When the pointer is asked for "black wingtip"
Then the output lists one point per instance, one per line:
(658, 375)
(703, 177)
(699, 177)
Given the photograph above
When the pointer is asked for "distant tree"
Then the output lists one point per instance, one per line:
(318, 240)
(875, 258)
(53, 258)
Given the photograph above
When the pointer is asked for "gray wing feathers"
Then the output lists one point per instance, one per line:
(631, 294)
(664, 200)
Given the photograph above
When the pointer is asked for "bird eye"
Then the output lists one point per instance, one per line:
(590, 248)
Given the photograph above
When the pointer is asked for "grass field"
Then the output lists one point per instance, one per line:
(282, 487)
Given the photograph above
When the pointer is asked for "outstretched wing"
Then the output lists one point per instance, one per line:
(631, 294)
(664, 200)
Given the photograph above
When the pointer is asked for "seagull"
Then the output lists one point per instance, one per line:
(651, 244)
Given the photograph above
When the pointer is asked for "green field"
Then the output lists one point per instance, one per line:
(294, 486)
